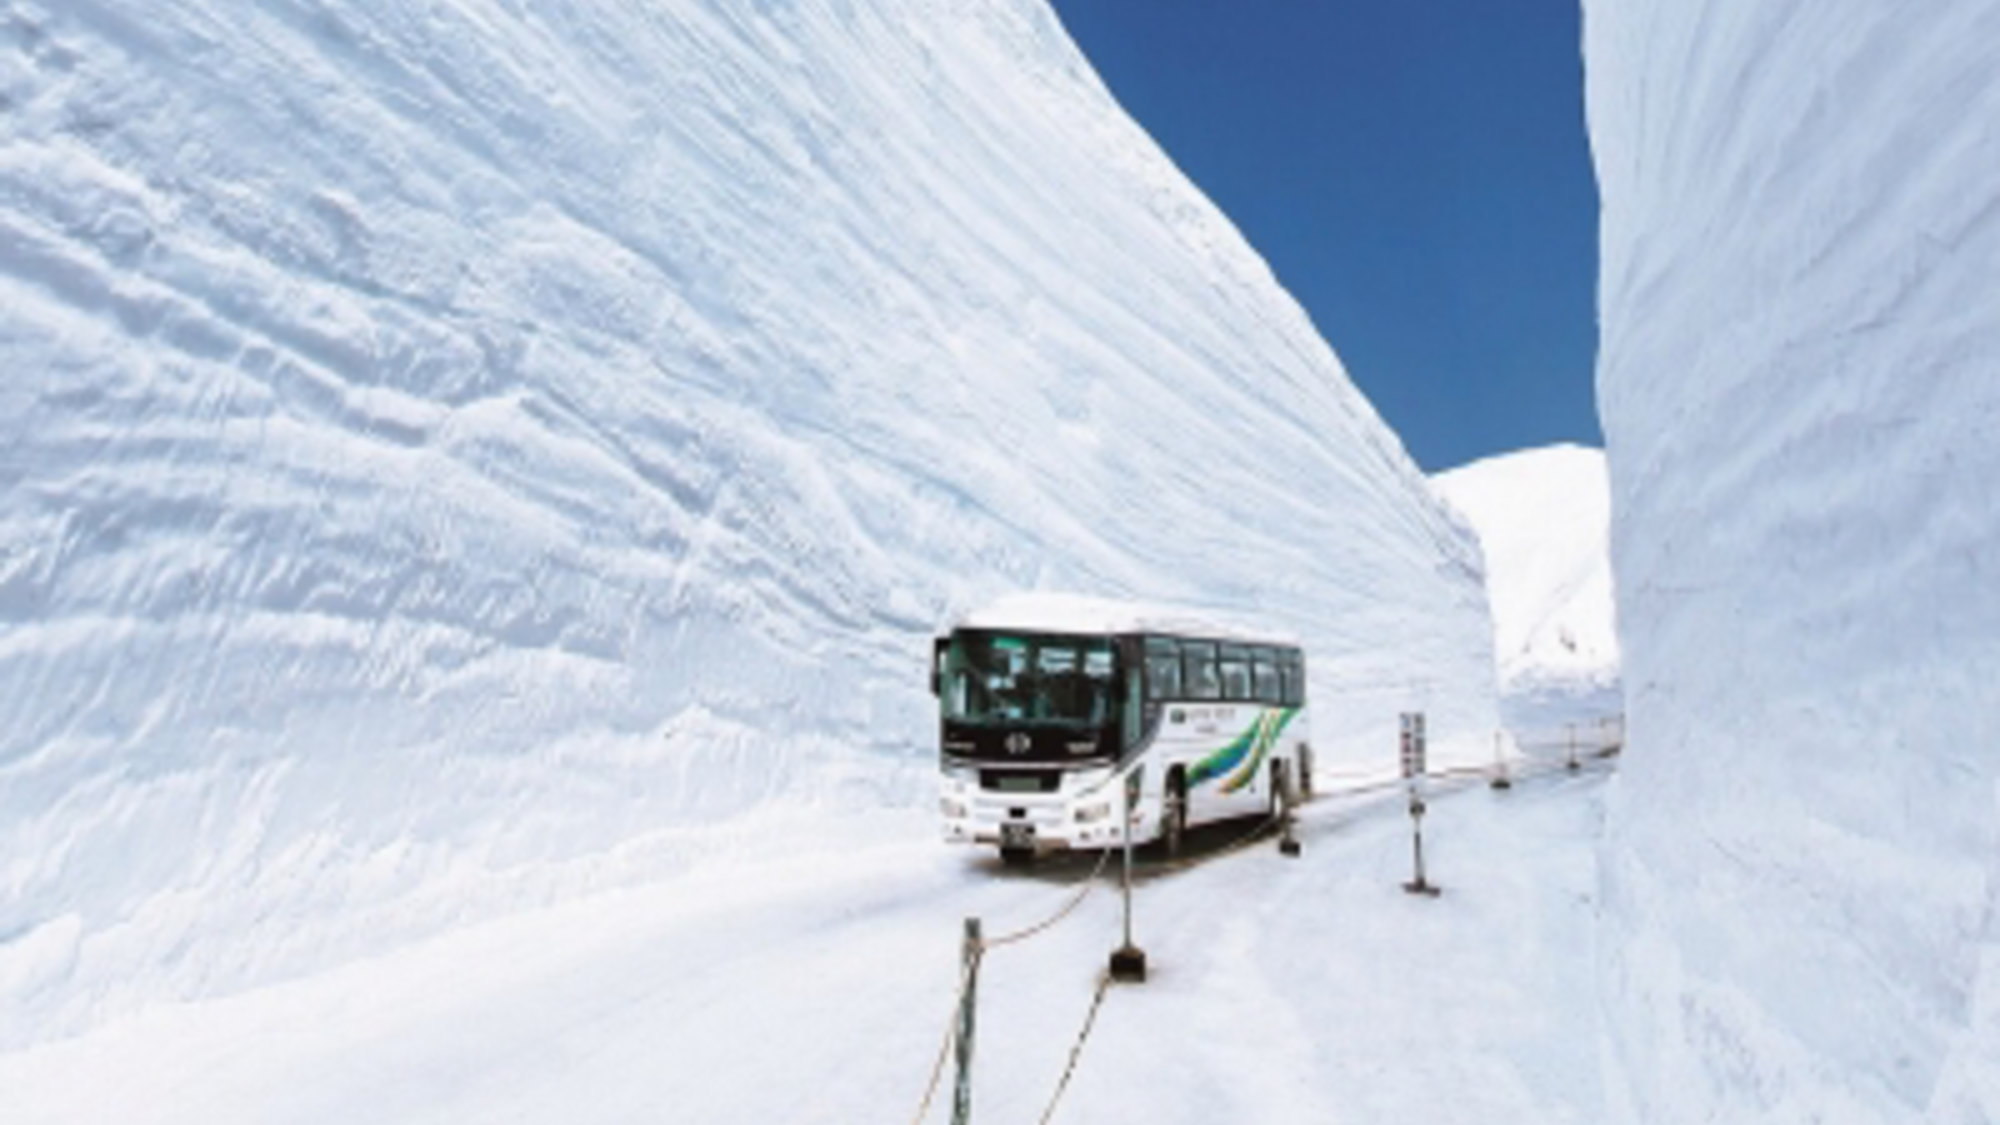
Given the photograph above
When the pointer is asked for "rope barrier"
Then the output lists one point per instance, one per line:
(1544, 769)
(972, 968)
(950, 1036)
(1076, 1049)
(1083, 891)
(1256, 833)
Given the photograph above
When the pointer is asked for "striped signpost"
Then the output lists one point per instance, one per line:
(1413, 772)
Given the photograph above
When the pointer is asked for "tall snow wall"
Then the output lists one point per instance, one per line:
(1800, 386)
(448, 445)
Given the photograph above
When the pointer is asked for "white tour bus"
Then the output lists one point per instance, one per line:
(1044, 700)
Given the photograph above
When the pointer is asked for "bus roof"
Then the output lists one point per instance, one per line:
(1041, 612)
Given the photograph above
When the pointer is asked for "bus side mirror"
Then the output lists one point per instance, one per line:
(937, 666)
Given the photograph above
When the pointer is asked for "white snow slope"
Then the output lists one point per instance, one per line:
(452, 450)
(1543, 521)
(1800, 387)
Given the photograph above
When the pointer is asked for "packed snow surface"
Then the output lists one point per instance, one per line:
(1801, 255)
(1543, 519)
(452, 452)
(792, 981)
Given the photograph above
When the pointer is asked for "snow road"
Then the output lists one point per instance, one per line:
(809, 977)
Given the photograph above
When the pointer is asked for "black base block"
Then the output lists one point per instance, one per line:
(1128, 964)
(1420, 887)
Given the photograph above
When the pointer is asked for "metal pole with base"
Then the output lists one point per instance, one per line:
(961, 1101)
(1288, 840)
(1128, 961)
(1501, 780)
(1414, 769)
(1419, 885)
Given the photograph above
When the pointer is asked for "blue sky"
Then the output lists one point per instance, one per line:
(1416, 172)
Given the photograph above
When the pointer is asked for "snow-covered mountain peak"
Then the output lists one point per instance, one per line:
(1542, 516)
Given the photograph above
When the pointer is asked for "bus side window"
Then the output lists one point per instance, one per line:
(1203, 680)
(1163, 670)
(1292, 670)
(1265, 671)
(1236, 673)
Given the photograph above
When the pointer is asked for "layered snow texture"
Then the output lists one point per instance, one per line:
(449, 449)
(1801, 253)
(1543, 520)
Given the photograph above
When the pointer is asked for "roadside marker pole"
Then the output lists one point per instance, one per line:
(1128, 961)
(1288, 841)
(1574, 765)
(1419, 885)
(961, 1102)
(1500, 778)
(1413, 772)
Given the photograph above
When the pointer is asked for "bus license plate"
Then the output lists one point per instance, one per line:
(1017, 835)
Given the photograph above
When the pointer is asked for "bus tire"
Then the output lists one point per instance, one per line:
(1281, 791)
(1174, 815)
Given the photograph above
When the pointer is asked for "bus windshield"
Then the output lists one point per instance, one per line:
(1014, 679)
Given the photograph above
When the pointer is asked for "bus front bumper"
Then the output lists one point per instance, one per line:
(1040, 822)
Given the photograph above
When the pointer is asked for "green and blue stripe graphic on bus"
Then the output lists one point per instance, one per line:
(1242, 757)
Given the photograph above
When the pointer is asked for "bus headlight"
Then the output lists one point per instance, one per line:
(1090, 814)
(953, 810)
